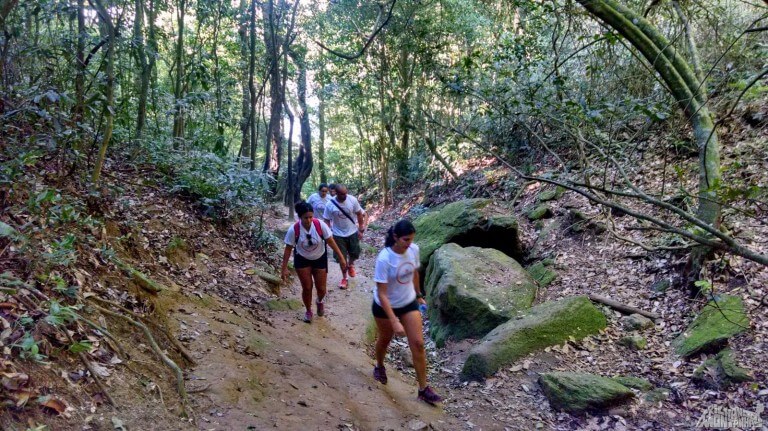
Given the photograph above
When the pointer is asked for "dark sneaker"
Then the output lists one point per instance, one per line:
(380, 374)
(308, 317)
(320, 309)
(429, 396)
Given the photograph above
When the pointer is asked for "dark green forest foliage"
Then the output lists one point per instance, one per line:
(383, 95)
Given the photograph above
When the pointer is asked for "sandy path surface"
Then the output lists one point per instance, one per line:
(288, 375)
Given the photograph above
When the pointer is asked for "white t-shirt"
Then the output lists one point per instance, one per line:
(343, 226)
(318, 204)
(307, 251)
(397, 271)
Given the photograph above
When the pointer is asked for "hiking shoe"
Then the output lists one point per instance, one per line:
(308, 317)
(343, 283)
(320, 309)
(351, 270)
(380, 374)
(429, 396)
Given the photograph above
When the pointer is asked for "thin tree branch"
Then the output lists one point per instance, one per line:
(367, 43)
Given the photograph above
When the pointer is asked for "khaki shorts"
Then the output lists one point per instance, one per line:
(349, 246)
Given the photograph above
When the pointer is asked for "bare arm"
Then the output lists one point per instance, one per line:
(335, 248)
(286, 256)
(417, 287)
(360, 224)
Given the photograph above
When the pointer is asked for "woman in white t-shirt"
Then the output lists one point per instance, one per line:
(396, 302)
(307, 238)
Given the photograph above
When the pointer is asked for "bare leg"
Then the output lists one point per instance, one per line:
(305, 277)
(384, 335)
(321, 277)
(413, 330)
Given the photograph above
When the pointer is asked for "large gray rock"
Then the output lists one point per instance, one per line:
(472, 290)
(719, 320)
(471, 222)
(544, 325)
(581, 392)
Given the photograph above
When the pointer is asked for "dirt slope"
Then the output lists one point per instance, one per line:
(296, 376)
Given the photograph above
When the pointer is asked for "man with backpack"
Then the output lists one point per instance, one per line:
(347, 231)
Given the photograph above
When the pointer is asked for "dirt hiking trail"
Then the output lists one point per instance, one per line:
(285, 374)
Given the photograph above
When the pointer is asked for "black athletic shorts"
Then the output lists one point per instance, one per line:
(380, 313)
(300, 261)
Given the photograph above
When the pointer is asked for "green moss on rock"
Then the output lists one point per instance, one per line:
(551, 194)
(582, 392)
(539, 212)
(471, 222)
(542, 272)
(719, 320)
(544, 325)
(721, 371)
(634, 382)
(472, 290)
(634, 342)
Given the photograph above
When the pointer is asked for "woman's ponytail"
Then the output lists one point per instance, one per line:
(389, 240)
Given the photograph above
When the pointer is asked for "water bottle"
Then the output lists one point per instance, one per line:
(423, 308)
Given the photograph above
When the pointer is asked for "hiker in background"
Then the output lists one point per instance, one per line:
(332, 189)
(339, 213)
(396, 301)
(307, 239)
(319, 199)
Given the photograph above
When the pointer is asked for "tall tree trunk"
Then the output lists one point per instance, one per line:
(303, 166)
(321, 127)
(252, 85)
(289, 184)
(220, 139)
(178, 88)
(245, 120)
(406, 76)
(272, 148)
(152, 72)
(144, 70)
(79, 108)
(688, 91)
(6, 7)
(109, 91)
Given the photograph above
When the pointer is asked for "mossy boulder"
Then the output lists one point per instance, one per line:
(471, 222)
(634, 382)
(542, 272)
(544, 325)
(551, 194)
(636, 322)
(634, 342)
(581, 223)
(583, 392)
(721, 371)
(719, 320)
(539, 212)
(472, 290)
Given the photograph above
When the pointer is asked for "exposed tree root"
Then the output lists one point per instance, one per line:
(153, 344)
(90, 368)
(176, 344)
